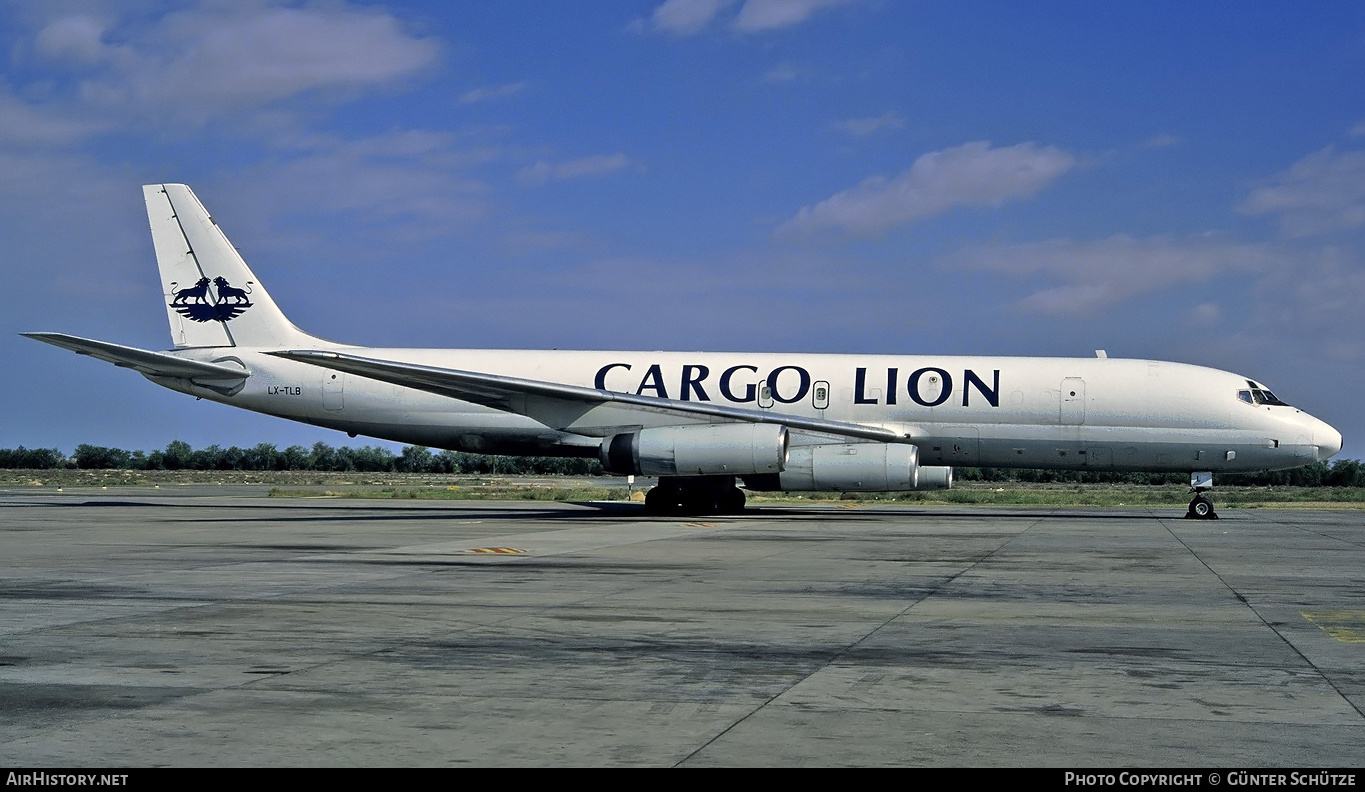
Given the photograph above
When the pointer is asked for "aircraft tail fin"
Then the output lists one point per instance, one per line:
(212, 297)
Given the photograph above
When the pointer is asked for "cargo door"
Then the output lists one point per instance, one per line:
(333, 389)
(1072, 401)
(1099, 457)
(956, 445)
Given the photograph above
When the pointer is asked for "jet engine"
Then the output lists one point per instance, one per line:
(935, 477)
(854, 467)
(735, 449)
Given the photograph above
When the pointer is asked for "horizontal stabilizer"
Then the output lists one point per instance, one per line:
(153, 364)
(535, 398)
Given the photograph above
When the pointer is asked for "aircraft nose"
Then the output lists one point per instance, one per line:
(1328, 441)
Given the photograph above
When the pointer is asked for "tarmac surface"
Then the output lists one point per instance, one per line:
(212, 626)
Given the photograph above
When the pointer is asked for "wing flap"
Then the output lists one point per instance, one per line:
(154, 364)
(557, 404)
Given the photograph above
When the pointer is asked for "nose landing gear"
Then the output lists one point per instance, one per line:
(1201, 508)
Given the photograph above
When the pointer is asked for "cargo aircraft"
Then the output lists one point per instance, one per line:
(704, 422)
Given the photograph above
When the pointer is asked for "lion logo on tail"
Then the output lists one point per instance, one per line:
(201, 304)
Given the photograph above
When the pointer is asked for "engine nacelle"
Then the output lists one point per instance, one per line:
(854, 467)
(934, 477)
(736, 449)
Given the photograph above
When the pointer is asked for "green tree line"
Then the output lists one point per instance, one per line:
(178, 455)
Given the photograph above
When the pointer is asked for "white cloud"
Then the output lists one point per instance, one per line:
(685, 17)
(27, 124)
(759, 15)
(791, 280)
(865, 127)
(1099, 274)
(1314, 301)
(387, 190)
(218, 59)
(72, 39)
(689, 17)
(492, 92)
(595, 165)
(249, 67)
(1204, 315)
(973, 174)
(1322, 192)
(1358, 130)
(782, 72)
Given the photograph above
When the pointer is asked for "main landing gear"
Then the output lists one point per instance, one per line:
(690, 495)
(1201, 508)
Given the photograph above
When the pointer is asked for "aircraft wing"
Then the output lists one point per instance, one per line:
(538, 399)
(154, 364)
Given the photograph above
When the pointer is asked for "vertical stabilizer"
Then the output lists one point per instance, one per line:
(212, 297)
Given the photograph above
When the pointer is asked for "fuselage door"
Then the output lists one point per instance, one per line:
(333, 389)
(1072, 402)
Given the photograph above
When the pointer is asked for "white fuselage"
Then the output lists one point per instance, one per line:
(1064, 413)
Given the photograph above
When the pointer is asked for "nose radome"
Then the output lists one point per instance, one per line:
(1328, 441)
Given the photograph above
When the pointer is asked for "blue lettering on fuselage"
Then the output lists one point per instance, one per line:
(802, 388)
(791, 384)
(691, 382)
(750, 390)
(992, 393)
(601, 382)
(653, 380)
(860, 388)
(938, 375)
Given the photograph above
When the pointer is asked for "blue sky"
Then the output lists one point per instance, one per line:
(1172, 181)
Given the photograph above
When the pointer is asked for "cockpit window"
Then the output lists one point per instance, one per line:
(1260, 396)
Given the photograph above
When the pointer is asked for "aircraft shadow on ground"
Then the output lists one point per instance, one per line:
(603, 511)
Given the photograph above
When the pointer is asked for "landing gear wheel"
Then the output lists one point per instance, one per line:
(661, 500)
(730, 501)
(695, 495)
(1201, 508)
(697, 500)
